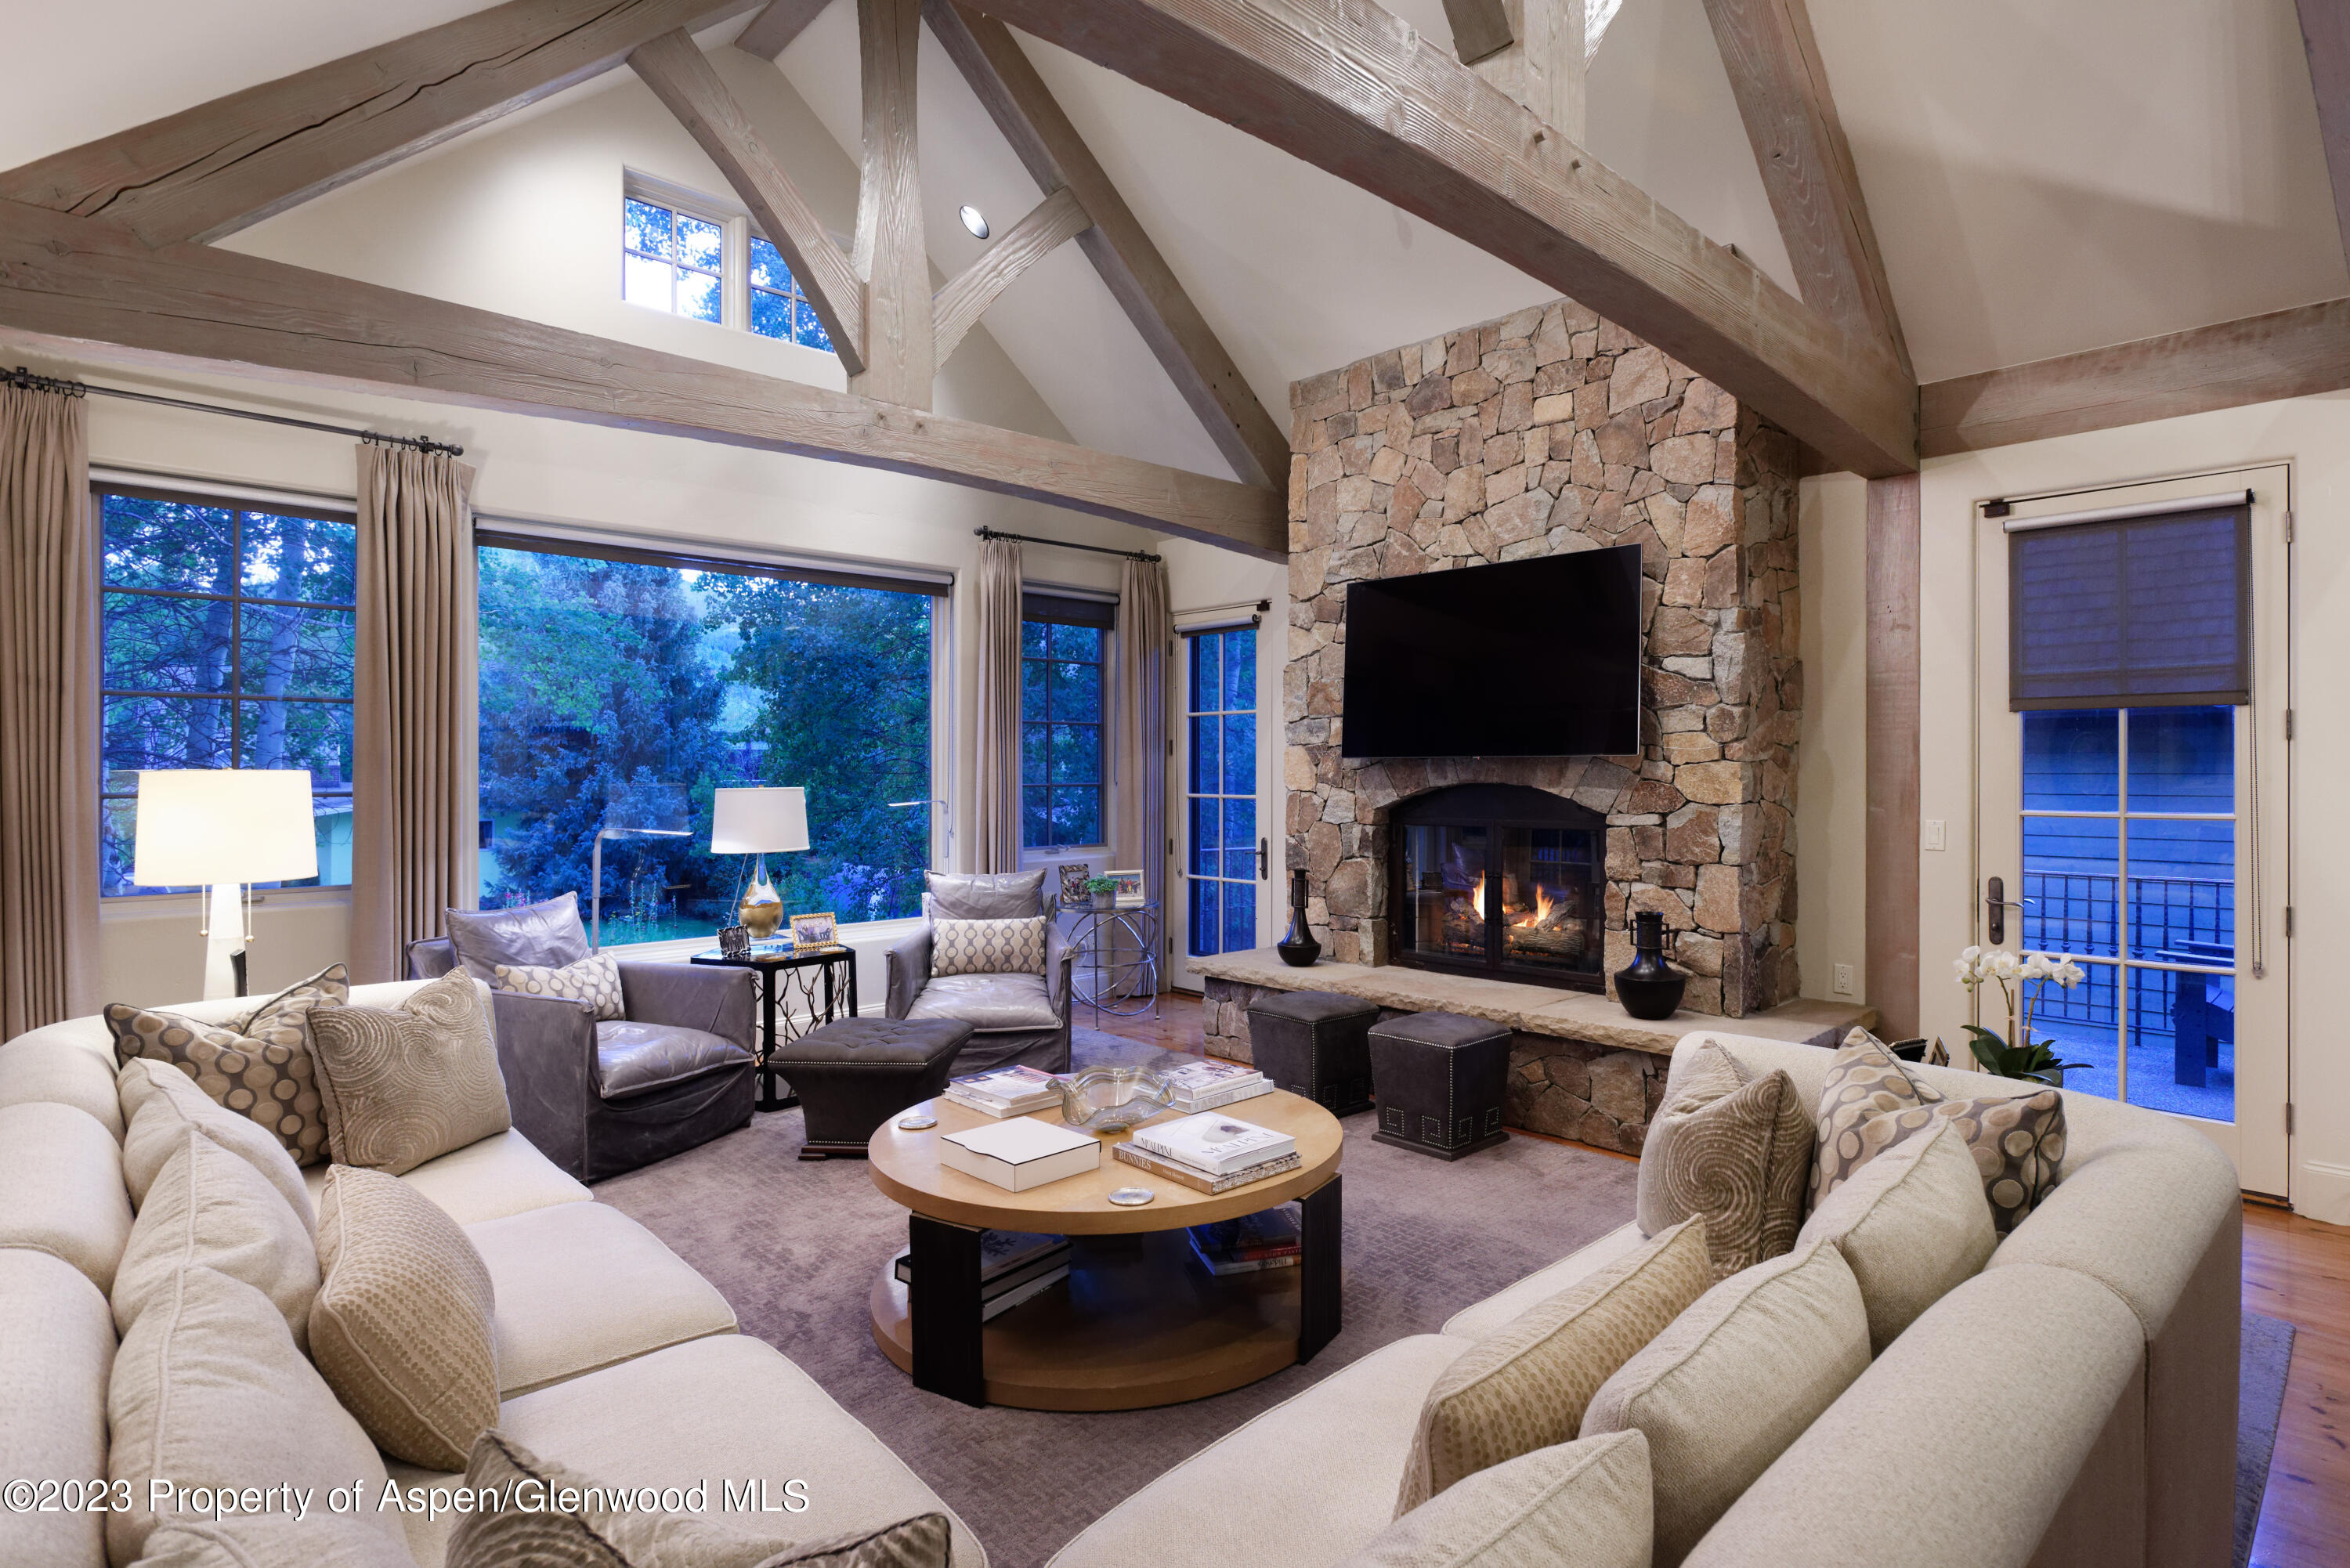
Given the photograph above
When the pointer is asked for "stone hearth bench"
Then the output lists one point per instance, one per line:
(1580, 1066)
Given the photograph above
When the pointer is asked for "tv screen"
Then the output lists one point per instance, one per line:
(1527, 658)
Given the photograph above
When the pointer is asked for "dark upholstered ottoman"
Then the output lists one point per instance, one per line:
(855, 1075)
(1316, 1043)
(1440, 1078)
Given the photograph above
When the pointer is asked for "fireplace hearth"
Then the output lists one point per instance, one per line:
(1503, 880)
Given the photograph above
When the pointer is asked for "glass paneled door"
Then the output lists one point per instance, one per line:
(2142, 831)
(1224, 857)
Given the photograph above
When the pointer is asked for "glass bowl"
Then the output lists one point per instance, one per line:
(1112, 1099)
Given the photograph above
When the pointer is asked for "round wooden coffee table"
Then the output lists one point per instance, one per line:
(1138, 1322)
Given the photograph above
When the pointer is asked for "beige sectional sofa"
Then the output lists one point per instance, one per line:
(615, 1358)
(2071, 1406)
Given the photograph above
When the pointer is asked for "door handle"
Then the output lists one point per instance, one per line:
(1996, 904)
(1264, 859)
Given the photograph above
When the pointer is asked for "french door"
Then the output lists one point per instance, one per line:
(2145, 837)
(1224, 862)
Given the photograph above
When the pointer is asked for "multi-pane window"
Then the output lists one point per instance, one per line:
(1062, 801)
(1225, 850)
(672, 261)
(228, 632)
(779, 306)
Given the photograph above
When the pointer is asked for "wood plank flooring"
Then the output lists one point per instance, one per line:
(2294, 1269)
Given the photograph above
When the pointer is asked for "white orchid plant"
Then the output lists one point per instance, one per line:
(2020, 977)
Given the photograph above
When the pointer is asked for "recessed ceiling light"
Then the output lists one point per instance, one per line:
(974, 220)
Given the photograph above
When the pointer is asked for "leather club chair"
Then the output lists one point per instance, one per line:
(1015, 1019)
(600, 1099)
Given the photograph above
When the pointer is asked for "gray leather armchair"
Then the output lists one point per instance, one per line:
(1015, 1019)
(600, 1099)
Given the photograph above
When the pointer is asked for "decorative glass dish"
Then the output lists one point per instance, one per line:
(1112, 1099)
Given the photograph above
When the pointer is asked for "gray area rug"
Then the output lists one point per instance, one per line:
(2266, 1360)
(794, 1248)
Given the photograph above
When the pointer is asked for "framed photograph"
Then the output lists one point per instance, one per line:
(734, 942)
(1073, 884)
(815, 930)
(1130, 887)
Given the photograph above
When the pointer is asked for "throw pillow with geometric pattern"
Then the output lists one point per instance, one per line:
(988, 947)
(259, 1066)
(594, 979)
(2017, 1141)
(1864, 1082)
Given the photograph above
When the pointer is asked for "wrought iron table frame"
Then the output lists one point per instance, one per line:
(790, 973)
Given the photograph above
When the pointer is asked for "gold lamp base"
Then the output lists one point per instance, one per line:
(762, 909)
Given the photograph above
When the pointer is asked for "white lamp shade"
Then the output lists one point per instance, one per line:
(200, 828)
(758, 821)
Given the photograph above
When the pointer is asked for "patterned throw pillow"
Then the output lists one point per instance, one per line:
(988, 947)
(1864, 1082)
(259, 1066)
(1525, 1387)
(2018, 1143)
(402, 1085)
(1734, 1149)
(594, 979)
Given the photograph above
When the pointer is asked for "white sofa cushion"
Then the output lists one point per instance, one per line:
(1912, 1223)
(324, 1539)
(580, 1286)
(57, 1350)
(61, 1188)
(1584, 1504)
(211, 1208)
(487, 1180)
(161, 1103)
(1338, 1449)
(52, 1065)
(1502, 1308)
(1733, 1382)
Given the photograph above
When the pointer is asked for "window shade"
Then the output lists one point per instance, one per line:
(1068, 610)
(2145, 611)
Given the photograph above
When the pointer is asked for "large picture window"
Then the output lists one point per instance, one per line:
(227, 633)
(619, 687)
(1062, 646)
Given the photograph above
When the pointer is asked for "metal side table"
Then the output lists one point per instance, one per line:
(1116, 969)
(819, 983)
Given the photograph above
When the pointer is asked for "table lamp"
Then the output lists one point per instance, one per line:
(223, 830)
(759, 822)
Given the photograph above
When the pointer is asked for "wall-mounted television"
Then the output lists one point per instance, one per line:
(1526, 658)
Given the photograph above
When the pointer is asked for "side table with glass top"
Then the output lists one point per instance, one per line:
(823, 978)
(1117, 969)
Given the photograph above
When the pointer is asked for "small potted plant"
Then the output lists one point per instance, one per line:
(2018, 977)
(1103, 891)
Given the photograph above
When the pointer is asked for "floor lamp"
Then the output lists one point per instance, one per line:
(223, 830)
(760, 822)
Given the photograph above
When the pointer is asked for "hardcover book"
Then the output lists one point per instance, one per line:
(1215, 1143)
(1199, 1182)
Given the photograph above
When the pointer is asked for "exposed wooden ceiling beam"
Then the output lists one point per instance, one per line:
(1137, 277)
(1531, 49)
(1481, 28)
(2325, 36)
(1807, 168)
(892, 256)
(1348, 88)
(2286, 354)
(966, 297)
(66, 280)
(681, 76)
(215, 169)
(771, 32)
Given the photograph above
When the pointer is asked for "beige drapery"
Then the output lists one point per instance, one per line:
(49, 712)
(995, 819)
(1145, 629)
(413, 798)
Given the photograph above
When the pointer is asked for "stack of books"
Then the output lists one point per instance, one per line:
(1014, 1266)
(1251, 1243)
(1007, 1091)
(1210, 1152)
(1204, 1086)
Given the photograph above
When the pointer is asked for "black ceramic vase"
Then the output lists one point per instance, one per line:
(1298, 946)
(1648, 987)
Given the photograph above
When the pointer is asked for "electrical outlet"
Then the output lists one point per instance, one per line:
(1932, 831)
(1844, 979)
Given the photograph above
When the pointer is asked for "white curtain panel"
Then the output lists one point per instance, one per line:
(1146, 629)
(995, 838)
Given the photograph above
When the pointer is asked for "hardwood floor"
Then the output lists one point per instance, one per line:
(2294, 1269)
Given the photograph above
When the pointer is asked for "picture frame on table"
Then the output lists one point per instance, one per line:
(1130, 887)
(1074, 874)
(818, 930)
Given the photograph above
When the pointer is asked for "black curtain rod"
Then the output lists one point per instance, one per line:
(1066, 544)
(21, 377)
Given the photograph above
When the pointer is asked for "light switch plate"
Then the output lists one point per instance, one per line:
(1932, 831)
(1844, 979)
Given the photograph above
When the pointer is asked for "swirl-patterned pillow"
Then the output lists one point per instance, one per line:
(988, 947)
(2017, 1141)
(1864, 1082)
(1736, 1150)
(259, 1065)
(594, 979)
(404, 1083)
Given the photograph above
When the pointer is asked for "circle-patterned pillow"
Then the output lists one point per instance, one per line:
(259, 1066)
(594, 979)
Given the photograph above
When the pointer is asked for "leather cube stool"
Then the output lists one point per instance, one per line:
(1440, 1078)
(857, 1074)
(1316, 1044)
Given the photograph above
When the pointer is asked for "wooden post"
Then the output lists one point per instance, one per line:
(1891, 877)
(891, 256)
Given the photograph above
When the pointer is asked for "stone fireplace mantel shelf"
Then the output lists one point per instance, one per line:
(1532, 1009)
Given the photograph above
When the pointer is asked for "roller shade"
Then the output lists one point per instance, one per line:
(2144, 611)
(1068, 610)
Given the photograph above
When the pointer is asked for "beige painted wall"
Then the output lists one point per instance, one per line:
(1832, 758)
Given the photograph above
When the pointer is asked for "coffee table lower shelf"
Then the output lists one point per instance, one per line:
(1138, 1323)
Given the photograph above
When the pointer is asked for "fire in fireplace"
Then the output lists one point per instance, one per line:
(1499, 879)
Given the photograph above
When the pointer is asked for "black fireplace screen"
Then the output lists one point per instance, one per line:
(1493, 878)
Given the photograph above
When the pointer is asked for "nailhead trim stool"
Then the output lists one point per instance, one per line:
(857, 1073)
(1316, 1044)
(1440, 1078)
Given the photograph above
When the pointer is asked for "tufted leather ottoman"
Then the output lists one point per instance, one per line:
(1440, 1078)
(855, 1075)
(1316, 1044)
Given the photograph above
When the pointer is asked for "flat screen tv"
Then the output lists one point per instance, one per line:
(1527, 658)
